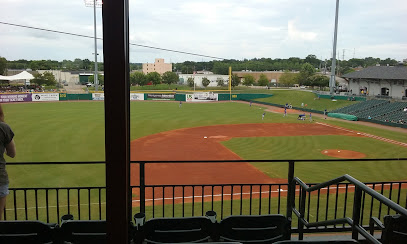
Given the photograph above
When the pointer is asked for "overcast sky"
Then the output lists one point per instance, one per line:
(227, 29)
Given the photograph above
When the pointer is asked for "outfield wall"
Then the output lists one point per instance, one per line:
(190, 97)
(99, 96)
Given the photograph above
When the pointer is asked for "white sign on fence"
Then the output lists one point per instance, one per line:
(202, 97)
(98, 96)
(136, 96)
(41, 97)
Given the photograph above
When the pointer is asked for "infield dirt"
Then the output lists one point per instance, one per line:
(191, 144)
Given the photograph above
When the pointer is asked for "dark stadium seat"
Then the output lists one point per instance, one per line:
(254, 229)
(174, 230)
(27, 232)
(84, 231)
(318, 242)
(394, 229)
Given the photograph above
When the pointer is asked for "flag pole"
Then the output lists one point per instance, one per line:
(230, 83)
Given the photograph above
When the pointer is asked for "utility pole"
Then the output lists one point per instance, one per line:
(332, 80)
(94, 4)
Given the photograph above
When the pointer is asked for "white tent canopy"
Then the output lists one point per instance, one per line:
(21, 76)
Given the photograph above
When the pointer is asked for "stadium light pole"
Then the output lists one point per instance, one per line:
(332, 80)
(94, 4)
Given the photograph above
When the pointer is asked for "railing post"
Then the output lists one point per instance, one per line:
(302, 214)
(357, 201)
(290, 192)
(142, 188)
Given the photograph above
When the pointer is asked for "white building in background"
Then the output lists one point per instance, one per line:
(381, 81)
(198, 79)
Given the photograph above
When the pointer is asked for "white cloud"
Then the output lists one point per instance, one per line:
(230, 29)
(295, 34)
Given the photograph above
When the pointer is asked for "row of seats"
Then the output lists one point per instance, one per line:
(361, 106)
(377, 110)
(381, 110)
(233, 229)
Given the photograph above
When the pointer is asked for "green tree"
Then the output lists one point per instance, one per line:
(235, 80)
(3, 65)
(220, 81)
(154, 77)
(205, 82)
(170, 78)
(319, 80)
(47, 78)
(263, 81)
(138, 78)
(306, 71)
(248, 80)
(190, 81)
(288, 78)
(101, 79)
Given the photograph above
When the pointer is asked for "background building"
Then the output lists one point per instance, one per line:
(272, 76)
(158, 66)
(198, 79)
(383, 81)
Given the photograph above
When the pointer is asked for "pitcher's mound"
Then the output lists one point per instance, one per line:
(339, 153)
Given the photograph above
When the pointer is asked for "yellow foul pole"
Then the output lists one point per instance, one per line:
(230, 83)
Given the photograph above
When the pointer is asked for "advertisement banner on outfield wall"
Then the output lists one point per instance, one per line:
(98, 96)
(155, 96)
(41, 97)
(202, 97)
(11, 98)
(136, 96)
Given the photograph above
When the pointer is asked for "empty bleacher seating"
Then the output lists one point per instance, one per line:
(83, 231)
(27, 232)
(380, 110)
(254, 229)
(394, 229)
(174, 230)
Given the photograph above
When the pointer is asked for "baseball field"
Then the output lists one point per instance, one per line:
(74, 131)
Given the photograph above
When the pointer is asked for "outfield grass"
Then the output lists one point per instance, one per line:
(74, 131)
(297, 97)
(310, 147)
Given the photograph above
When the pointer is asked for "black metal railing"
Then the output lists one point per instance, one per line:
(155, 200)
(359, 196)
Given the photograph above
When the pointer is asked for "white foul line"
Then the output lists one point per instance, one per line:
(367, 135)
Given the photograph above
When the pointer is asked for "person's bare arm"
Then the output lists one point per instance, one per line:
(1, 114)
(11, 149)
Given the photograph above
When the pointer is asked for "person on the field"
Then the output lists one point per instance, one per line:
(285, 111)
(301, 117)
(262, 116)
(6, 146)
(310, 117)
(180, 103)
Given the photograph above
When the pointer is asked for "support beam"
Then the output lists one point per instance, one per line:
(117, 119)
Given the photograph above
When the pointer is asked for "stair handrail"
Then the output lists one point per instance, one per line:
(355, 221)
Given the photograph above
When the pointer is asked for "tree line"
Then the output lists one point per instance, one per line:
(153, 78)
(64, 65)
(217, 67)
(268, 64)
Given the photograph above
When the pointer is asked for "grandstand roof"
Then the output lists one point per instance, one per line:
(380, 72)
